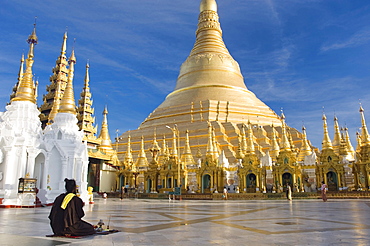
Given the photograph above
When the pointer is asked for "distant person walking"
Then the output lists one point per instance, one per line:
(225, 193)
(323, 191)
(126, 189)
(288, 192)
(122, 192)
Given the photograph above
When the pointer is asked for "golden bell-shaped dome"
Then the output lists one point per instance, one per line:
(210, 85)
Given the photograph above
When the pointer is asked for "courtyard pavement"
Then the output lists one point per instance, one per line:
(164, 222)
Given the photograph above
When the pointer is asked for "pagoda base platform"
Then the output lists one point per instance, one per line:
(249, 196)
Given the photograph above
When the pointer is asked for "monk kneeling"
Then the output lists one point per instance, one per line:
(66, 213)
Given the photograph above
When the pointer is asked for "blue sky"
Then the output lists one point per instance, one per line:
(299, 55)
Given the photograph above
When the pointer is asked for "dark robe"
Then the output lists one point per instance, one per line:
(68, 220)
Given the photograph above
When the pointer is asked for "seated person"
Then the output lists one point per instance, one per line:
(66, 213)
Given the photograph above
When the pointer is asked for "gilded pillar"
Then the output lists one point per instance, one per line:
(320, 178)
(280, 178)
(340, 177)
(145, 185)
(216, 180)
(219, 181)
(242, 183)
(302, 186)
(133, 180)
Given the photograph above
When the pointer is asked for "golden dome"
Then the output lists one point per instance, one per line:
(210, 83)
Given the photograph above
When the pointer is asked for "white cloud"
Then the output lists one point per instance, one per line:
(359, 38)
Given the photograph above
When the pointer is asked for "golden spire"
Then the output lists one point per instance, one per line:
(209, 33)
(67, 104)
(348, 142)
(25, 90)
(85, 110)
(164, 146)
(210, 150)
(128, 157)
(305, 147)
(337, 136)
(155, 148)
(285, 144)
(365, 140)
(239, 152)
(359, 143)
(62, 61)
(64, 45)
(20, 76)
(59, 81)
(104, 137)
(290, 138)
(326, 142)
(87, 76)
(142, 148)
(163, 155)
(250, 143)
(187, 149)
(187, 157)
(155, 143)
(141, 161)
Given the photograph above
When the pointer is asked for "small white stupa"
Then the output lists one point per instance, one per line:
(20, 135)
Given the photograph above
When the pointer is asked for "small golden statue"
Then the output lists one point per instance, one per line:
(90, 194)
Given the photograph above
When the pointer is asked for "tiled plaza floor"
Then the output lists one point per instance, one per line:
(163, 222)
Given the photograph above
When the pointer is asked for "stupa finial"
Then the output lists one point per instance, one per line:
(208, 5)
(25, 90)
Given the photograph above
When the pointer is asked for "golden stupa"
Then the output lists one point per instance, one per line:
(210, 90)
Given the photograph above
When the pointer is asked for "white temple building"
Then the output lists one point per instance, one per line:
(46, 156)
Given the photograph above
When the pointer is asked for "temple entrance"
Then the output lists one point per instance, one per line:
(93, 177)
(206, 183)
(287, 179)
(121, 182)
(149, 187)
(332, 181)
(251, 183)
(38, 172)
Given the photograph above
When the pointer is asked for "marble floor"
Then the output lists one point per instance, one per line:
(163, 222)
